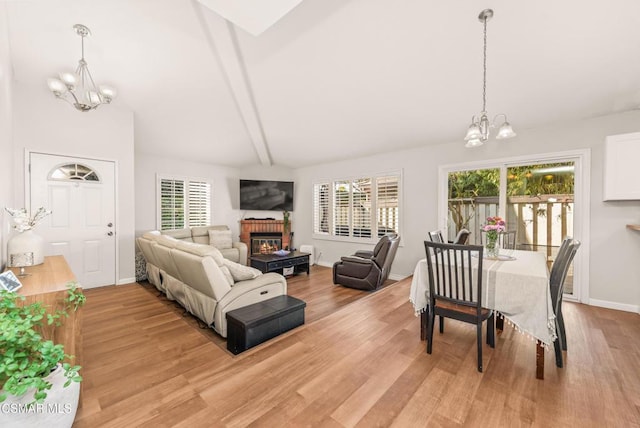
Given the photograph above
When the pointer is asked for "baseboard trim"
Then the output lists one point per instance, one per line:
(325, 264)
(126, 281)
(615, 305)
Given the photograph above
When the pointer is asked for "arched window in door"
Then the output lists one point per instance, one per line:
(74, 172)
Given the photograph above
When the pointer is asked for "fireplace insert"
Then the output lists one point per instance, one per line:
(265, 242)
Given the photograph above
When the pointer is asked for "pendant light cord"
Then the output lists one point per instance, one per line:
(484, 67)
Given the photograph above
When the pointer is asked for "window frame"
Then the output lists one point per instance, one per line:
(331, 182)
(186, 189)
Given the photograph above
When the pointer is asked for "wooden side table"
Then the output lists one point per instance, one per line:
(47, 283)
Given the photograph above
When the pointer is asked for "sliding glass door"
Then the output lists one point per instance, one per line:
(473, 195)
(536, 198)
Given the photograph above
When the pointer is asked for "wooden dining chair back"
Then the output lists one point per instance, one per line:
(506, 239)
(557, 278)
(455, 289)
(436, 236)
(462, 237)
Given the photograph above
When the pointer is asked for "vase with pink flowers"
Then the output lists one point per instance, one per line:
(492, 229)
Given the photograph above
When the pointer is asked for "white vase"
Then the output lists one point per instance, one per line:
(58, 409)
(27, 242)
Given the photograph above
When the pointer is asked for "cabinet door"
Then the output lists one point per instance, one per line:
(621, 163)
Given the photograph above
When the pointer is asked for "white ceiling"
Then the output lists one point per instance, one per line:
(334, 78)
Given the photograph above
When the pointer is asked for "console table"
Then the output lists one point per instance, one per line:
(274, 263)
(47, 284)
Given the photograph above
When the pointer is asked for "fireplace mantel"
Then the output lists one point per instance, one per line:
(261, 225)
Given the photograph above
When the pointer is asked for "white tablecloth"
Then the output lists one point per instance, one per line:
(518, 289)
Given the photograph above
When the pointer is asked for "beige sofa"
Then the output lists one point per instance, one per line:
(200, 279)
(235, 251)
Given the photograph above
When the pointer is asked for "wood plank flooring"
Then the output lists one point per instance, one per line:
(358, 361)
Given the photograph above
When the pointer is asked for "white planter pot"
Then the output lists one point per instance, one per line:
(27, 242)
(57, 411)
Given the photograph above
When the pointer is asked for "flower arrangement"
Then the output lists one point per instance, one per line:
(494, 226)
(21, 218)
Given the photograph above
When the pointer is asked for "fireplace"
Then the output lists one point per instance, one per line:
(269, 227)
(265, 242)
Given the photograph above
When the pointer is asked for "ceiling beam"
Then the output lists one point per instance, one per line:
(223, 42)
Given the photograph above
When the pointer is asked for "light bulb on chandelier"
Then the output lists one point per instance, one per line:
(79, 89)
(480, 127)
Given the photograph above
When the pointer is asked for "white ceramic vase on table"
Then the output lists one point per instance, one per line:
(27, 242)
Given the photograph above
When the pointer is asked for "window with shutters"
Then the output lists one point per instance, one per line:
(183, 202)
(321, 208)
(363, 208)
(387, 204)
(341, 204)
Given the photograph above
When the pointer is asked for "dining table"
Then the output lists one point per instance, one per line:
(516, 286)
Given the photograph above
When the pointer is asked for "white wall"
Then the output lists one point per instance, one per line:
(46, 124)
(224, 193)
(614, 249)
(6, 134)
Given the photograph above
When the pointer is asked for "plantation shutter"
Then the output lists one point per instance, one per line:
(171, 204)
(321, 208)
(361, 208)
(341, 208)
(199, 203)
(387, 203)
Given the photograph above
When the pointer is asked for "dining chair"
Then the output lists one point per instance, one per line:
(506, 239)
(462, 237)
(436, 236)
(455, 289)
(558, 275)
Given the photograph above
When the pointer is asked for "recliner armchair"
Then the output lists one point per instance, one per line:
(367, 270)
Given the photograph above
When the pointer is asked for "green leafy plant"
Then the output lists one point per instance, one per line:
(26, 358)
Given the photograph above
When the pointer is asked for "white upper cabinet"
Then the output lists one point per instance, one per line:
(622, 167)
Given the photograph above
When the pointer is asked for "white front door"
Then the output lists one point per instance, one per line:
(80, 192)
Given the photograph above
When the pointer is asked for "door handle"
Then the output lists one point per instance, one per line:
(110, 233)
(109, 224)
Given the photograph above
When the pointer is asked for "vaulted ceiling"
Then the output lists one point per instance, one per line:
(332, 79)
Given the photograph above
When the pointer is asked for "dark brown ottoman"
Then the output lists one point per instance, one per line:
(251, 325)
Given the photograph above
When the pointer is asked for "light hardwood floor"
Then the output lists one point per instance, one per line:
(356, 362)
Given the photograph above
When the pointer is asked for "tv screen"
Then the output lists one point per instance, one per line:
(265, 195)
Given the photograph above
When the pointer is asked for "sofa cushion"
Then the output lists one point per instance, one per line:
(201, 250)
(232, 254)
(221, 239)
(227, 274)
(182, 234)
(167, 241)
(241, 272)
(152, 235)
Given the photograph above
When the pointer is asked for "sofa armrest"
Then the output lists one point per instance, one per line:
(245, 293)
(242, 252)
(229, 300)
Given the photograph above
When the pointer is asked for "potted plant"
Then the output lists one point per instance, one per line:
(31, 366)
(286, 227)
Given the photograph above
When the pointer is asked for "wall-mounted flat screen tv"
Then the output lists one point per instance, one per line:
(262, 195)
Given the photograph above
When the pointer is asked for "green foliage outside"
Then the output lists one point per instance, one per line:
(466, 186)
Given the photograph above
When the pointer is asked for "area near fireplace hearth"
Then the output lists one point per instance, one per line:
(263, 236)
